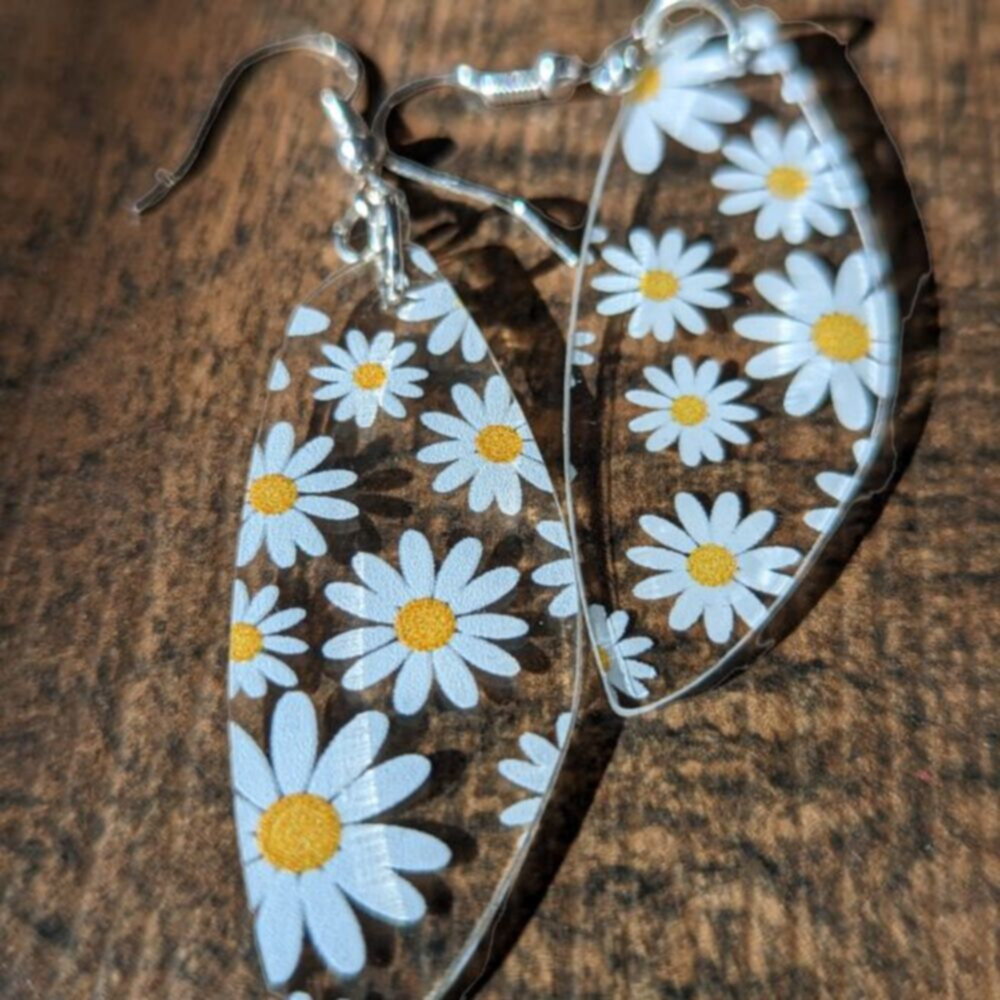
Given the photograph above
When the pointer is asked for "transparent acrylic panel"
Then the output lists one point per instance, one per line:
(400, 697)
(741, 343)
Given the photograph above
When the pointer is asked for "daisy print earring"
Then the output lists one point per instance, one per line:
(383, 608)
(744, 328)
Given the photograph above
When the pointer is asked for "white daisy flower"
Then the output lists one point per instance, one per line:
(491, 445)
(837, 335)
(693, 409)
(283, 495)
(367, 377)
(255, 636)
(534, 774)
(662, 285)
(309, 849)
(582, 339)
(437, 300)
(429, 625)
(795, 183)
(617, 655)
(836, 485)
(559, 572)
(711, 564)
(677, 94)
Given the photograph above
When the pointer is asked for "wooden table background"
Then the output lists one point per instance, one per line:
(826, 826)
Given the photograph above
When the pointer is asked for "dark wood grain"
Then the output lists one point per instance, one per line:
(826, 826)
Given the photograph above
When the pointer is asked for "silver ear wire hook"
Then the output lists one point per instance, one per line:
(649, 27)
(322, 44)
(552, 78)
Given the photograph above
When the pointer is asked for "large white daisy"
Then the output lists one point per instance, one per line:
(490, 444)
(837, 335)
(678, 94)
(559, 572)
(436, 299)
(254, 639)
(283, 494)
(367, 377)
(534, 774)
(617, 654)
(794, 182)
(662, 285)
(309, 849)
(711, 564)
(429, 624)
(692, 408)
(836, 485)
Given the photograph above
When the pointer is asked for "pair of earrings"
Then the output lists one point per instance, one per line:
(407, 639)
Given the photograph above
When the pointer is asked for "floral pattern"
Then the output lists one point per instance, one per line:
(535, 774)
(712, 563)
(429, 624)
(617, 653)
(835, 333)
(489, 446)
(309, 848)
(662, 284)
(256, 642)
(284, 494)
(795, 183)
(366, 378)
(559, 572)
(690, 407)
(678, 95)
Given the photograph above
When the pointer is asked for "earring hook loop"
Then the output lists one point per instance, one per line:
(322, 44)
(552, 77)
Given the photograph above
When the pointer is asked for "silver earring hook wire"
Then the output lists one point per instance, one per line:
(321, 44)
(552, 78)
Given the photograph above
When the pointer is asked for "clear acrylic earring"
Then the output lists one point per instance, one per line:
(744, 342)
(401, 702)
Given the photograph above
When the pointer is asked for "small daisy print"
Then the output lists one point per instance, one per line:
(429, 625)
(618, 654)
(489, 446)
(837, 486)
(535, 774)
(256, 642)
(558, 572)
(678, 95)
(366, 378)
(310, 851)
(712, 563)
(662, 284)
(284, 494)
(793, 182)
(436, 299)
(836, 333)
(692, 408)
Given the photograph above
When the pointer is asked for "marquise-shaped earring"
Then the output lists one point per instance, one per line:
(401, 703)
(745, 338)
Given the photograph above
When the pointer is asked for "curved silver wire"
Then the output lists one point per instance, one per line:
(649, 27)
(551, 78)
(322, 44)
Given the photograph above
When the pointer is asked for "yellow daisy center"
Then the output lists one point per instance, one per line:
(604, 658)
(425, 624)
(659, 285)
(689, 410)
(273, 494)
(841, 337)
(245, 642)
(788, 183)
(712, 565)
(499, 443)
(299, 832)
(370, 375)
(647, 86)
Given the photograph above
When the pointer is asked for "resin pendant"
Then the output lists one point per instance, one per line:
(744, 344)
(391, 658)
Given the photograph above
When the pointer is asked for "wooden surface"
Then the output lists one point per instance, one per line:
(826, 826)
